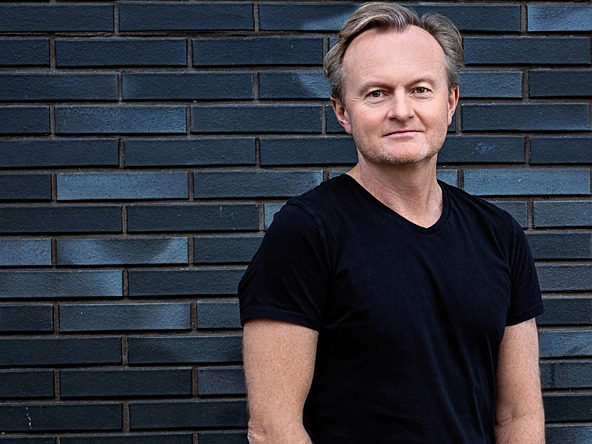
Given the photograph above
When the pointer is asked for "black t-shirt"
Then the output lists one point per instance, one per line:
(410, 319)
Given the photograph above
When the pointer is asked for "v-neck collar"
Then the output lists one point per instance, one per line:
(388, 212)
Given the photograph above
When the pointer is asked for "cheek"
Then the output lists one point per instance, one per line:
(369, 120)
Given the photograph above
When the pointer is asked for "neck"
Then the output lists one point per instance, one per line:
(411, 191)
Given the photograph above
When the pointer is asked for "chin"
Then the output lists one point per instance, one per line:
(399, 158)
(398, 153)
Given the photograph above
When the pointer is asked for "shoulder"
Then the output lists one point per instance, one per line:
(480, 210)
(323, 203)
(328, 192)
(310, 212)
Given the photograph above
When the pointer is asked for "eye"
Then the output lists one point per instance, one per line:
(421, 90)
(376, 94)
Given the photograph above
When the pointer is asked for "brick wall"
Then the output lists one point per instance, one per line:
(144, 148)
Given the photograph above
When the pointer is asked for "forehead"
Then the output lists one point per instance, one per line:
(406, 52)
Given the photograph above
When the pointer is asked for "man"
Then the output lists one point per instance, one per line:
(385, 306)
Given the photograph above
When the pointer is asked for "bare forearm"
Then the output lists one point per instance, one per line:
(527, 429)
(520, 416)
(279, 363)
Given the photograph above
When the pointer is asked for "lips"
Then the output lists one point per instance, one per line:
(404, 132)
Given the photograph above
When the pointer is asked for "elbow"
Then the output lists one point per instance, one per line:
(532, 411)
(256, 433)
(523, 428)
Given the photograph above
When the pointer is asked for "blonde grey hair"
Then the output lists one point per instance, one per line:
(385, 17)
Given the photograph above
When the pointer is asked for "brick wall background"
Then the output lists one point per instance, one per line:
(144, 147)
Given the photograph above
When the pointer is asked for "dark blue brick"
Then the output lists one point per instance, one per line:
(185, 17)
(171, 218)
(124, 317)
(58, 153)
(122, 185)
(25, 187)
(224, 249)
(565, 343)
(25, 252)
(308, 151)
(566, 311)
(24, 52)
(26, 318)
(560, 83)
(121, 52)
(569, 433)
(60, 416)
(525, 117)
(565, 149)
(184, 349)
(24, 120)
(198, 152)
(302, 17)
(125, 382)
(26, 384)
(527, 50)
(258, 183)
(60, 87)
(566, 375)
(221, 381)
(196, 281)
(129, 438)
(491, 84)
(55, 18)
(562, 214)
(59, 351)
(188, 414)
(448, 176)
(60, 219)
(560, 245)
(478, 17)
(256, 118)
(482, 149)
(568, 407)
(218, 314)
(29, 440)
(565, 277)
(270, 211)
(246, 51)
(521, 181)
(559, 18)
(56, 284)
(518, 210)
(330, 17)
(294, 85)
(222, 437)
(188, 86)
(120, 119)
(102, 251)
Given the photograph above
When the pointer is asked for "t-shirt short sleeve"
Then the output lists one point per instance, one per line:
(526, 301)
(288, 277)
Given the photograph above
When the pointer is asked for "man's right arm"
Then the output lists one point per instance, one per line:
(279, 364)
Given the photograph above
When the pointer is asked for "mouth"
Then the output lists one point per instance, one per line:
(401, 133)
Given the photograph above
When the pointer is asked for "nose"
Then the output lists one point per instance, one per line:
(400, 107)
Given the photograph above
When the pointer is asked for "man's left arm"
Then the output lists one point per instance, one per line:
(520, 417)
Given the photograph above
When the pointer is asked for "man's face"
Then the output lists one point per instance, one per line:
(397, 104)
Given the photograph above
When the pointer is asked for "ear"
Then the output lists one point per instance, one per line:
(453, 96)
(341, 114)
